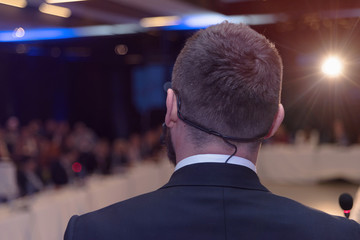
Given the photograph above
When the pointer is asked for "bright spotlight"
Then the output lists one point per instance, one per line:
(332, 67)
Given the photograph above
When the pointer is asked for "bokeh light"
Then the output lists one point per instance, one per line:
(76, 167)
(121, 49)
(19, 32)
(332, 66)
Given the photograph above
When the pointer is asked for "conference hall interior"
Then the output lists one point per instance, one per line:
(82, 102)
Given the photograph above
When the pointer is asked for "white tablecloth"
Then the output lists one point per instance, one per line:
(308, 164)
(355, 212)
(45, 215)
(14, 225)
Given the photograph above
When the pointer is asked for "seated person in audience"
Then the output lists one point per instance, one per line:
(59, 175)
(8, 186)
(119, 155)
(84, 138)
(103, 157)
(12, 133)
(223, 102)
(28, 178)
(88, 162)
(340, 136)
(307, 137)
(134, 148)
(61, 169)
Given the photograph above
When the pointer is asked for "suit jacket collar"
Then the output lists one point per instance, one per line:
(216, 174)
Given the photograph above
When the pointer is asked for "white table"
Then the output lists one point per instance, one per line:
(48, 213)
(308, 164)
(355, 212)
(14, 224)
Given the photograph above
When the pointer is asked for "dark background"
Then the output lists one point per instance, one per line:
(83, 79)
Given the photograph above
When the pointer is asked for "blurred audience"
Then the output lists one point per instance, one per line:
(307, 137)
(41, 155)
(119, 156)
(28, 176)
(134, 148)
(8, 184)
(52, 154)
(12, 133)
(340, 136)
(102, 152)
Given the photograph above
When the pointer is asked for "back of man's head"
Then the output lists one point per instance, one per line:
(229, 79)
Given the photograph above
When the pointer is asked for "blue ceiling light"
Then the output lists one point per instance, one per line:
(188, 22)
(38, 34)
(64, 33)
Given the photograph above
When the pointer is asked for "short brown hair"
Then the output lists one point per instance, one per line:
(229, 79)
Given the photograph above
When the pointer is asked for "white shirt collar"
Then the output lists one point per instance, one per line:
(215, 158)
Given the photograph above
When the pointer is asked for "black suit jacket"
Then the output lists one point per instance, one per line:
(209, 201)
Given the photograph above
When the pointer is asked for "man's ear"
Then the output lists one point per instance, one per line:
(171, 116)
(277, 121)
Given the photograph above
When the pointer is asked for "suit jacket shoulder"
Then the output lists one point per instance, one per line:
(210, 202)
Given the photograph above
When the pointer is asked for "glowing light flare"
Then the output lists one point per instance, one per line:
(160, 21)
(76, 167)
(55, 10)
(19, 32)
(14, 3)
(332, 66)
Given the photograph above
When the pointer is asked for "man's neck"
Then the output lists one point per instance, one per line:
(215, 158)
(243, 151)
